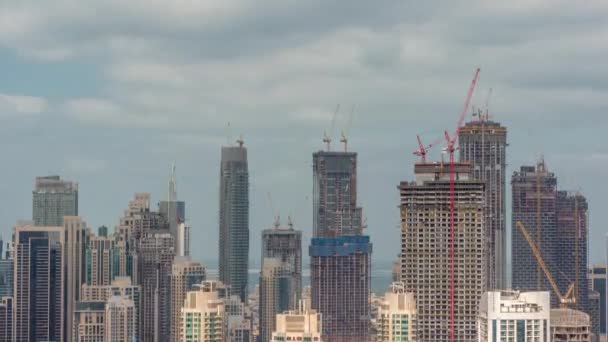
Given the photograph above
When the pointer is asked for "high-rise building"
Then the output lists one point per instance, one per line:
(598, 278)
(6, 319)
(102, 231)
(335, 210)
(340, 282)
(76, 239)
(396, 317)
(6, 271)
(185, 273)
(238, 319)
(120, 319)
(340, 255)
(568, 325)
(534, 203)
(203, 314)
(302, 324)
(425, 249)
(173, 211)
(89, 322)
(276, 289)
(52, 199)
(39, 311)
(120, 287)
(514, 316)
(156, 253)
(281, 274)
(139, 219)
(100, 253)
(234, 219)
(483, 143)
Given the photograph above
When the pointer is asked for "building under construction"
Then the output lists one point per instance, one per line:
(483, 143)
(340, 254)
(568, 325)
(425, 249)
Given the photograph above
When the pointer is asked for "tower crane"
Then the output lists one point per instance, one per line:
(564, 299)
(423, 150)
(450, 148)
(327, 138)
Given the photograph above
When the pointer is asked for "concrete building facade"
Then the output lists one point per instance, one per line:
(89, 322)
(483, 143)
(425, 249)
(76, 239)
(234, 219)
(100, 252)
(120, 319)
(396, 316)
(514, 316)
(185, 274)
(569, 325)
(52, 199)
(303, 324)
(6, 319)
(598, 278)
(6, 271)
(276, 289)
(203, 315)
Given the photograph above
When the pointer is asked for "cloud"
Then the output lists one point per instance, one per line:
(21, 104)
(80, 165)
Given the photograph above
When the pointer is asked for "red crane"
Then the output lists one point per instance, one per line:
(422, 150)
(450, 148)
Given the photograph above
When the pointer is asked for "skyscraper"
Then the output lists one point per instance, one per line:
(425, 249)
(276, 289)
(156, 253)
(120, 319)
(599, 281)
(39, 284)
(335, 211)
(534, 201)
(234, 219)
(52, 199)
(185, 273)
(76, 239)
(396, 318)
(340, 255)
(281, 274)
(100, 252)
(172, 210)
(514, 316)
(483, 143)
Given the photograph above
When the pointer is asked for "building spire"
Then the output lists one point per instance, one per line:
(172, 185)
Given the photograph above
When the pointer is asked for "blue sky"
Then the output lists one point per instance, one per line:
(109, 93)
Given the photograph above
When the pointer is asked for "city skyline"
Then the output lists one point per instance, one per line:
(399, 64)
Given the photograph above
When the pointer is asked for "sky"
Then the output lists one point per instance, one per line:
(109, 93)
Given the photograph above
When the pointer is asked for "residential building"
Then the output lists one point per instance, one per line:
(203, 314)
(6, 319)
(340, 254)
(234, 219)
(514, 316)
(185, 274)
(39, 311)
(483, 143)
(396, 317)
(156, 253)
(100, 263)
(426, 254)
(568, 325)
(52, 199)
(120, 287)
(89, 322)
(340, 282)
(76, 239)
(276, 291)
(238, 319)
(303, 324)
(120, 319)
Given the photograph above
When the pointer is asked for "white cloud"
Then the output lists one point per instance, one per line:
(21, 104)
